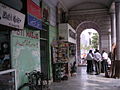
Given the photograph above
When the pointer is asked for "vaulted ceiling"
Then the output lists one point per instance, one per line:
(85, 4)
(74, 5)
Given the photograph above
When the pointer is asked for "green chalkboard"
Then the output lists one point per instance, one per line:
(25, 56)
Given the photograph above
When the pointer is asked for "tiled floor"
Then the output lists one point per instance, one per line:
(83, 81)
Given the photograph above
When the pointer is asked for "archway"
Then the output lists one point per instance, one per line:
(81, 27)
(89, 40)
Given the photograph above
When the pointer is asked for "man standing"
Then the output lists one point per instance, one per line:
(104, 62)
(98, 59)
(89, 59)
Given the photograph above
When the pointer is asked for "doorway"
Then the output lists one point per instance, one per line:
(5, 61)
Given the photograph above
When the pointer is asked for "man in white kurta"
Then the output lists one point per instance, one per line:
(98, 59)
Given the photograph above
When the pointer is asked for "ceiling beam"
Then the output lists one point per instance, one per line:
(81, 12)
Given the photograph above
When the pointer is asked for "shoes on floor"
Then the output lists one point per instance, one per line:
(97, 74)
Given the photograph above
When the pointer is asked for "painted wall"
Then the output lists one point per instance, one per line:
(52, 13)
(52, 28)
(52, 37)
(25, 48)
(20, 62)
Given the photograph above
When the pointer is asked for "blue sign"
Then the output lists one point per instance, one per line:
(34, 22)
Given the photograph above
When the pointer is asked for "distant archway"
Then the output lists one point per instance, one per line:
(89, 40)
(82, 26)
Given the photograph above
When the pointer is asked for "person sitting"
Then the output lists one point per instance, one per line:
(109, 63)
(73, 69)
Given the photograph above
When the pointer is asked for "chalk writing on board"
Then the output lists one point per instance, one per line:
(27, 43)
(30, 34)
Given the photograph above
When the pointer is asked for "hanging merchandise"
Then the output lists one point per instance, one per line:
(60, 52)
(60, 60)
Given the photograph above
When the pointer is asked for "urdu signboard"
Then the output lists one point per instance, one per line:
(10, 17)
(34, 22)
(34, 14)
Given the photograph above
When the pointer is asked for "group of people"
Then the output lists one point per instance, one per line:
(100, 61)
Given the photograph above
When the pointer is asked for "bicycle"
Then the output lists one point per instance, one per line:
(36, 81)
(43, 80)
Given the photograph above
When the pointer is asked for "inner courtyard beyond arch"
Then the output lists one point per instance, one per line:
(89, 24)
(89, 40)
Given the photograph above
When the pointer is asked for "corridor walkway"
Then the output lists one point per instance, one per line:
(83, 81)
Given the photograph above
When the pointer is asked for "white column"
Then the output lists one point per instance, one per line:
(113, 28)
(117, 11)
(110, 42)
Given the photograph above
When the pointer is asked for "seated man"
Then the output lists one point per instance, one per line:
(73, 69)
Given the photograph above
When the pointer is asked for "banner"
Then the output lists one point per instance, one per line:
(34, 22)
(34, 9)
(10, 17)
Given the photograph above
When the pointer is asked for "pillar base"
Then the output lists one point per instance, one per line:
(115, 69)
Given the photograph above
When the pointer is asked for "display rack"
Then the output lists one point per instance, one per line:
(72, 50)
(60, 60)
(64, 51)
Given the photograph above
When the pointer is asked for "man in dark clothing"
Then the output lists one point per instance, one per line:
(89, 59)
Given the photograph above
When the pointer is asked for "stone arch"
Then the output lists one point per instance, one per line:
(82, 26)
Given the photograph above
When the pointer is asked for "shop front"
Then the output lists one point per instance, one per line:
(10, 20)
(64, 52)
(26, 48)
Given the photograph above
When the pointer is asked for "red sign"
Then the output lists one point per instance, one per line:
(34, 9)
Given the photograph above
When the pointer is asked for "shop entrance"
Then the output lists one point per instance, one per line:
(5, 62)
(44, 56)
(7, 75)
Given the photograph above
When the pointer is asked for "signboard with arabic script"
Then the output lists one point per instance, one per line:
(10, 17)
(34, 22)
